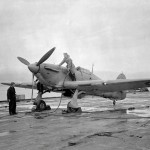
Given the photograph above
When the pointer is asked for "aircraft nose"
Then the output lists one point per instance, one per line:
(33, 68)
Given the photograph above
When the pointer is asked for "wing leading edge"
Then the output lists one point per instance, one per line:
(107, 86)
(97, 85)
(22, 85)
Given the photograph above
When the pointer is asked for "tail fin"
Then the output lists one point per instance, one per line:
(121, 76)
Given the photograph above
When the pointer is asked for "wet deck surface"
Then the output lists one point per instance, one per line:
(100, 127)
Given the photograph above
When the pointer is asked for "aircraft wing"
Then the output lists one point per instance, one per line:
(107, 86)
(22, 85)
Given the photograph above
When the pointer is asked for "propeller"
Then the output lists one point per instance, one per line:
(46, 56)
(32, 86)
(34, 68)
(24, 61)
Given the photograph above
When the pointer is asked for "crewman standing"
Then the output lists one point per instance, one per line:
(70, 66)
(11, 98)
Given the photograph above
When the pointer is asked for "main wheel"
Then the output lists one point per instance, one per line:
(41, 105)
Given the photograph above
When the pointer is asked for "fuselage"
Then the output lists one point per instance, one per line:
(53, 76)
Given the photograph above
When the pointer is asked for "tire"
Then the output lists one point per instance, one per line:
(41, 105)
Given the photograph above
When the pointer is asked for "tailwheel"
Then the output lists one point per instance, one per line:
(114, 102)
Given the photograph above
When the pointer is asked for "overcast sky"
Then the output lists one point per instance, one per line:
(112, 34)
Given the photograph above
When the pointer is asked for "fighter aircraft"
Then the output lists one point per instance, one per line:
(56, 78)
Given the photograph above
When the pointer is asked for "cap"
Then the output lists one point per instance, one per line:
(12, 83)
(65, 54)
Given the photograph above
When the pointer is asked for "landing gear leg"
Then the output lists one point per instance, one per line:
(114, 102)
(72, 106)
(40, 104)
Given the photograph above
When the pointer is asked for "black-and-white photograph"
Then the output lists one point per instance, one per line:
(74, 75)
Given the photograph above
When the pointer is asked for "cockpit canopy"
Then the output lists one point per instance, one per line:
(83, 70)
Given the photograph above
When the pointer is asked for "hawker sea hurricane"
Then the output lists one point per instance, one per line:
(56, 78)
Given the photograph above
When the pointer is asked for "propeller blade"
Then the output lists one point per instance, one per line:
(32, 86)
(46, 56)
(24, 61)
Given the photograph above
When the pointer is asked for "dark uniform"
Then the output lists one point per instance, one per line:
(11, 97)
